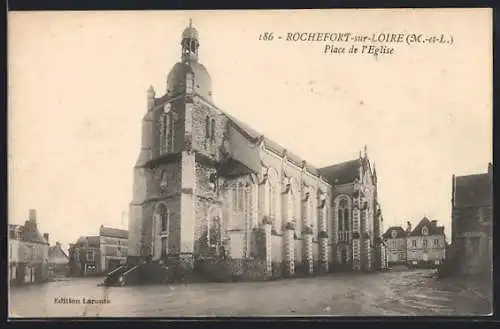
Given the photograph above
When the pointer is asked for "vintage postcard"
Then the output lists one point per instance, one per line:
(250, 163)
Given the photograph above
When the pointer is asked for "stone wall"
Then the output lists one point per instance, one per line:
(177, 108)
(298, 250)
(277, 248)
(207, 146)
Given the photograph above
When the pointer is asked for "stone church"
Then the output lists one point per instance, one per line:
(207, 186)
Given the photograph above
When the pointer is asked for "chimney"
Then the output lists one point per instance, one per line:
(46, 237)
(32, 215)
(408, 227)
(434, 223)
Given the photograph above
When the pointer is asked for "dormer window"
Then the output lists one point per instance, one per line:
(425, 230)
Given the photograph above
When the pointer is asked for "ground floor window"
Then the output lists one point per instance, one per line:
(29, 275)
(90, 268)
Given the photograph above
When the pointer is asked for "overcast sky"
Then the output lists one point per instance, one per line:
(77, 94)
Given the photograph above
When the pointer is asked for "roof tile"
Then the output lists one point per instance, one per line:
(341, 173)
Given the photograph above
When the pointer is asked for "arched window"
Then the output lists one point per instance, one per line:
(212, 130)
(207, 127)
(169, 132)
(343, 218)
(164, 217)
(161, 231)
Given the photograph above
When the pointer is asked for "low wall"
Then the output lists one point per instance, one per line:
(231, 269)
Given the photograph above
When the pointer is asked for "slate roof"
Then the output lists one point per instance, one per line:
(432, 228)
(341, 173)
(472, 190)
(254, 135)
(113, 232)
(88, 240)
(54, 250)
(29, 233)
(399, 230)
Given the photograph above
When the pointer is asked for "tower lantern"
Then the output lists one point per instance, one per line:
(190, 43)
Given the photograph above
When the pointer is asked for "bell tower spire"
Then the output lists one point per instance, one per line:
(190, 43)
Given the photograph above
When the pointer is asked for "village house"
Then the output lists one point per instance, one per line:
(58, 261)
(84, 257)
(113, 245)
(98, 255)
(395, 240)
(426, 244)
(28, 252)
(472, 221)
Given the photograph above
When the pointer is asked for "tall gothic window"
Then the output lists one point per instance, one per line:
(163, 216)
(346, 219)
(343, 218)
(168, 132)
(207, 127)
(212, 130)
